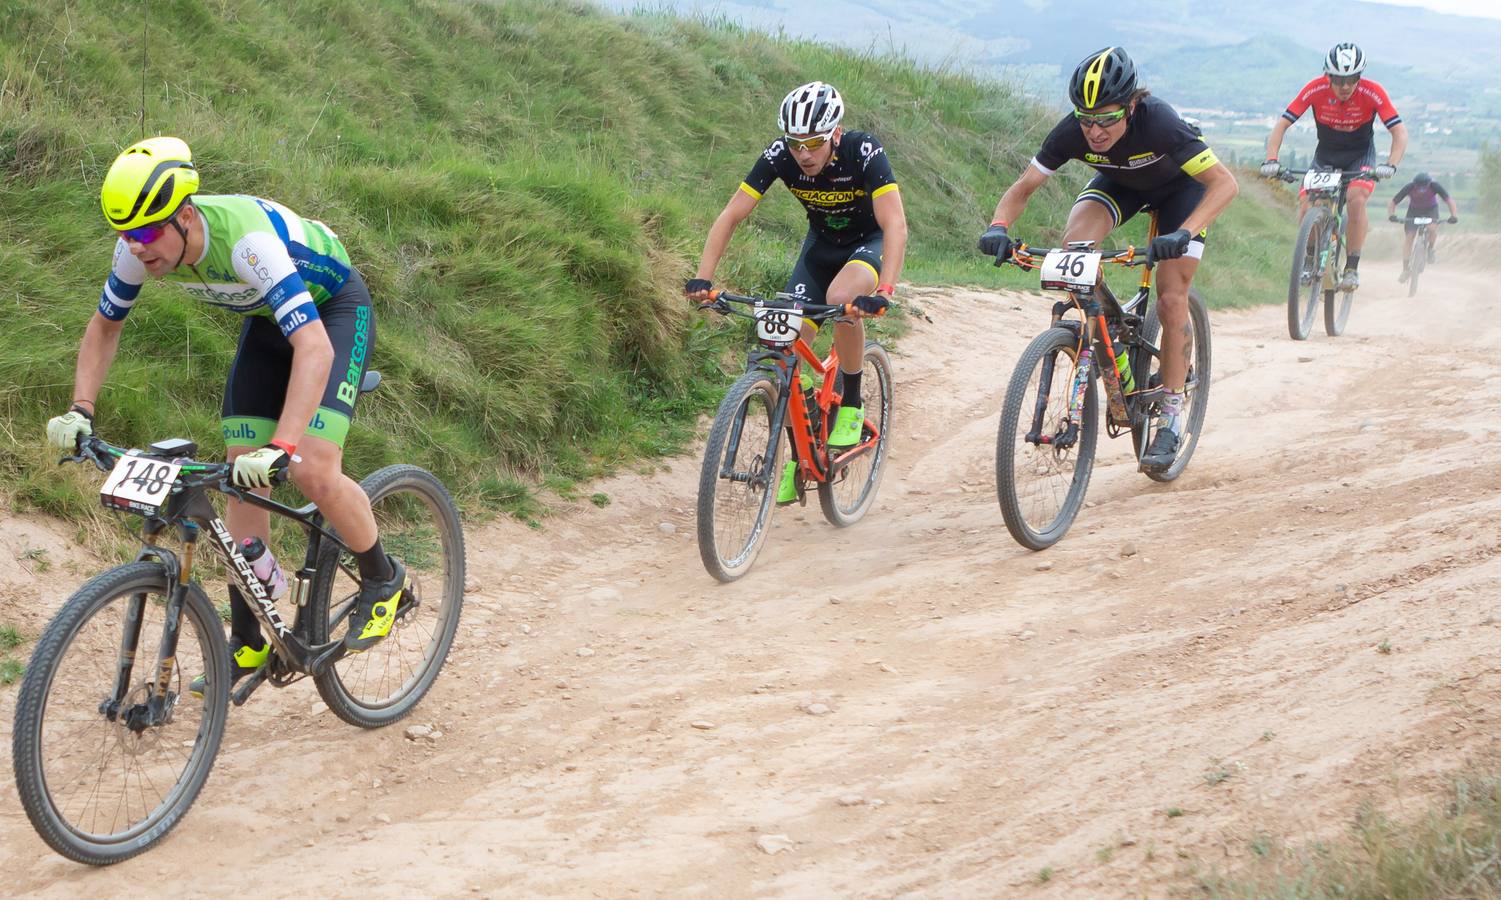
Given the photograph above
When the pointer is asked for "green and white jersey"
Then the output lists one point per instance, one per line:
(259, 258)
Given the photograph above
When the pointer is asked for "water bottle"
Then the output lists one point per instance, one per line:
(263, 564)
(1123, 369)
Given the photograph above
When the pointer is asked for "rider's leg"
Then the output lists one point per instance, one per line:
(1358, 222)
(1091, 219)
(856, 278)
(1174, 276)
(1432, 232)
(1407, 246)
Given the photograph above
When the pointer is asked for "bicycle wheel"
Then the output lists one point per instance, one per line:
(738, 481)
(847, 498)
(1307, 272)
(1041, 486)
(1196, 403)
(419, 524)
(97, 790)
(1419, 262)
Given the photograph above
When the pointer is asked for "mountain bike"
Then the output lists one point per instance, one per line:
(110, 748)
(1045, 444)
(1422, 245)
(742, 465)
(1319, 250)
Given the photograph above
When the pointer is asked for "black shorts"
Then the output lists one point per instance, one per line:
(1348, 162)
(257, 385)
(819, 262)
(1174, 203)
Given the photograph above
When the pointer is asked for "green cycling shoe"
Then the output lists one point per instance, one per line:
(787, 490)
(849, 425)
(242, 662)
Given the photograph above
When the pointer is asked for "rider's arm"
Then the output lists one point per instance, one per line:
(723, 229)
(1274, 140)
(312, 360)
(893, 221)
(1014, 202)
(1294, 111)
(1399, 144)
(1391, 207)
(1221, 188)
(96, 352)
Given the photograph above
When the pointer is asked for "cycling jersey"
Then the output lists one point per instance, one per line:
(841, 199)
(1345, 129)
(259, 258)
(1421, 200)
(1157, 148)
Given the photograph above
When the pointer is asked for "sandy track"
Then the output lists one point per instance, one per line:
(987, 718)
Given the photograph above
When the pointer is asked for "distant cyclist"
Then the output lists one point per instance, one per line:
(1422, 194)
(305, 344)
(1345, 107)
(1148, 158)
(857, 233)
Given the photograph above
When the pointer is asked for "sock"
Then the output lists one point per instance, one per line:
(374, 567)
(1352, 262)
(1172, 410)
(850, 390)
(242, 622)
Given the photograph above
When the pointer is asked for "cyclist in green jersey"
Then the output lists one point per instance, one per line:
(857, 233)
(304, 347)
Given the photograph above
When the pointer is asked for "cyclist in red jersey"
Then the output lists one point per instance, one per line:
(1345, 107)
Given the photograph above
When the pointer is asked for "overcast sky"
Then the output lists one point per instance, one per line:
(1490, 9)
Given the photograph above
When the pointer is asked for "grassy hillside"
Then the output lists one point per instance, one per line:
(523, 184)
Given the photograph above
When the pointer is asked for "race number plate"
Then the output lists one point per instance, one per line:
(777, 327)
(1321, 181)
(1422, 220)
(1070, 270)
(138, 484)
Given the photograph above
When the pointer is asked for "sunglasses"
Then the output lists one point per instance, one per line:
(812, 143)
(1102, 120)
(1344, 80)
(146, 234)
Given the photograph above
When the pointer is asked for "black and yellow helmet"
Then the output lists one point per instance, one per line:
(1104, 77)
(148, 182)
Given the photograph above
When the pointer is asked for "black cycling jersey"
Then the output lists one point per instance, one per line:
(1157, 148)
(841, 199)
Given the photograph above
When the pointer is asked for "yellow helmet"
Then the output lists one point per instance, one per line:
(148, 182)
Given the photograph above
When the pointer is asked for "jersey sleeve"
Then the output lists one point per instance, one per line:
(1185, 146)
(1300, 103)
(1063, 143)
(764, 172)
(1384, 106)
(1402, 194)
(875, 167)
(1439, 190)
(261, 260)
(126, 275)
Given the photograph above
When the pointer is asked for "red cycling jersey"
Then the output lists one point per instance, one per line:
(1345, 129)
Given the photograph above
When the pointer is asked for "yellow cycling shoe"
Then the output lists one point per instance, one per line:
(787, 490)
(375, 611)
(848, 427)
(242, 661)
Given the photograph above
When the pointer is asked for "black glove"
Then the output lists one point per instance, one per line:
(1168, 246)
(996, 242)
(697, 285)
(1454, 220)
(873, 304)
(1394, 217)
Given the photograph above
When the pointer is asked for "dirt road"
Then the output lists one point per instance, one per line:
(1309, 618)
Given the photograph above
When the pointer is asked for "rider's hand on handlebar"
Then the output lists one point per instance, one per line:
(64, 431)
(698, 288)
(1454, 220)
(1394, 217)
(1271, 169)
(872, 304)
(1384, 171)
(1168, 246)
(997, 243)
(259, 468)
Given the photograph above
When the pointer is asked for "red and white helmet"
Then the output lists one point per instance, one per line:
(813, 108)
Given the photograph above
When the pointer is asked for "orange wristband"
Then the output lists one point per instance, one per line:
(283, 446)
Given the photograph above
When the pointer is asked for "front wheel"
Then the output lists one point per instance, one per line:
(102, 781)
(847, 497)
(1310, 261)
(737, 483)
(418, 524)
(1043, 459)
(1419, 262)
(1196, 387)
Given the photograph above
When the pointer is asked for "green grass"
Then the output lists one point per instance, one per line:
(11, 670)
(1452, 851)
(10, 638)
(524, 186)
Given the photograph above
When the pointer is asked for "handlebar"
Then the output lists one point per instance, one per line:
(1345, 175)
(719, 301)
(103, 455)
(1024, 256)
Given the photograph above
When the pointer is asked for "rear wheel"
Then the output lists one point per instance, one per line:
(1309, 264)
(1196, 387)
(847, 497)
(1042, 460)
(419, 525)
(738, 480)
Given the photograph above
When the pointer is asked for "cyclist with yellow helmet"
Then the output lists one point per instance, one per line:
(304, 346)
(1147, 157)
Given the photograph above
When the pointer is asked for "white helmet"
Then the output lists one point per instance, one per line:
(1344, 60)
(814, 108)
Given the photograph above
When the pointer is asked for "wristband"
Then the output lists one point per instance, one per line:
(886, 289)
(1000, 223)
(283, 446)
(79, 409)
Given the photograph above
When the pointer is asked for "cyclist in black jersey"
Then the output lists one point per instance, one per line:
(1422, 195)
(857, 232)
(1147, 158)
